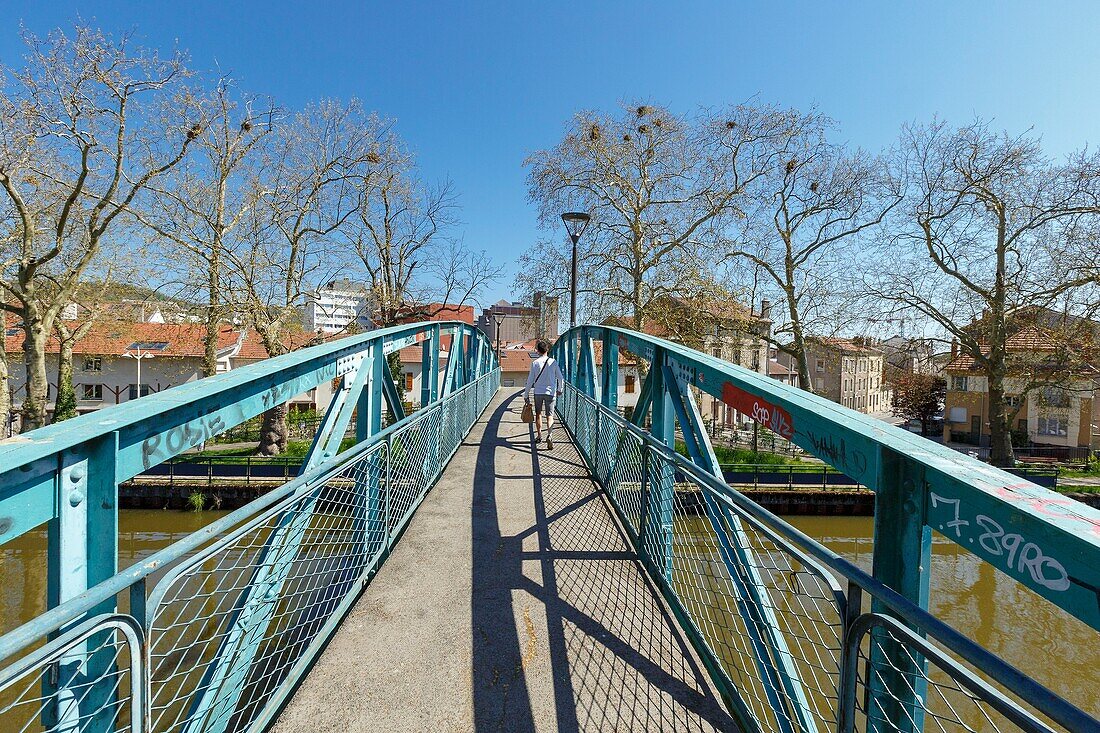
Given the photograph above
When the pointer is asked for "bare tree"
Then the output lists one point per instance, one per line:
(5, 387)
(401, 234)
(814, 201)
(311, 186)
(660, 189)
(85, 127)
(196, 209)
(985, 239)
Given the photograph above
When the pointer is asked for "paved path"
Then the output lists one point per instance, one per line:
(511, 603)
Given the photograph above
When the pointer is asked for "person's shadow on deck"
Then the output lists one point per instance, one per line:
(619, 660)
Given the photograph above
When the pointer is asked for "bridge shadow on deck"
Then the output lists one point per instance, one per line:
(617, 660)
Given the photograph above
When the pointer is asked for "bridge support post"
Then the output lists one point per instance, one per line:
(82, 550)
(369, 422)
(429, 368)
(661, 473)
(902, 560)
(609, 372)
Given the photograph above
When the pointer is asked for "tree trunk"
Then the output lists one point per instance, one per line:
(210, 340)
(798, 337)
(65, 404)
(5, 388)
(273, 432)
(38, 384)
(1000, 436)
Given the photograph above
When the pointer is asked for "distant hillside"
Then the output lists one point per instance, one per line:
(117, 292)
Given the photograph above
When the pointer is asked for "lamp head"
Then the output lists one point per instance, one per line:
(575, 223)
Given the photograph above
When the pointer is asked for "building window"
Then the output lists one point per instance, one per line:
(1012, 400)
(93, 364)
(958, 384)
(93, 392)
(629, 384)
(1055, 426)
(820, 366)
(408, 381)
(957, 414)
(134, 391)
(509, 383)
(1055, 397)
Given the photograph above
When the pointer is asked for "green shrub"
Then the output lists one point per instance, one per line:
(197, 501)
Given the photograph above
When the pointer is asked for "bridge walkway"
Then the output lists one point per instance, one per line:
(512, 603)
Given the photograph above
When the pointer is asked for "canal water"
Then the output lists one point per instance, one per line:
(975, 598)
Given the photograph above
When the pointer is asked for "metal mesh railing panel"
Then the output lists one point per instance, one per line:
(927, 690)
(771, 618)
(228, 629)
(87, 680)
(231, 626)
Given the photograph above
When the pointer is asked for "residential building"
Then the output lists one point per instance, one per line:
(515, 362)
(1057, 406)
(741, 338)
(910, 355)
(516, 321)
(107, 370)
(848, 371)
(780, 372)
(338, 307)
(727, 330)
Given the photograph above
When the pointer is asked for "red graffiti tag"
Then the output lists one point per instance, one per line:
(770, 416)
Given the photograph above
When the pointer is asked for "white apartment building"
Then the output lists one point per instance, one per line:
(336, 306)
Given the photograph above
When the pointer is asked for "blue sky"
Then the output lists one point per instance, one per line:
(476, 86)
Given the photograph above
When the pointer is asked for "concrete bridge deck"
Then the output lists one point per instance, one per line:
(512, 603)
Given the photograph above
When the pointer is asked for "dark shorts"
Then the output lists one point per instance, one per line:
(544, 402)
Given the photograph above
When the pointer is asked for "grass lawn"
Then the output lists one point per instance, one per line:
(1093, 471)
(744, 457)
(295, 449)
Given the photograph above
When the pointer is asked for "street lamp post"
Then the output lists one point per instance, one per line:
(138, 356)
(575, 224)
(499, 318)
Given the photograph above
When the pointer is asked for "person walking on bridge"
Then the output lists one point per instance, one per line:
(545, 382)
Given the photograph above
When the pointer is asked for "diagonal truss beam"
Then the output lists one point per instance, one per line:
(778, 668)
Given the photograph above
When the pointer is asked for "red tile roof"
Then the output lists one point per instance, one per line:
(775, 369)
(440, 312)
(1026, 340)
(515, 360)
(111, 338)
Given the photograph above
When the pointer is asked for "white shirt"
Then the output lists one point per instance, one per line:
(545, 377)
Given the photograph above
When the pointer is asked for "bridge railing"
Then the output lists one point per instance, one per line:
(796, 638)
(212, 632)
(781, 621)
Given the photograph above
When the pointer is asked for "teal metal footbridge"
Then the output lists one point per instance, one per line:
(446, 573)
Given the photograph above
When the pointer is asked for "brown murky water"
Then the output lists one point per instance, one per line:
(993, 609)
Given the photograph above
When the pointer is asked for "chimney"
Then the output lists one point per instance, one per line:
(765, 308)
